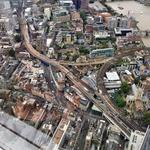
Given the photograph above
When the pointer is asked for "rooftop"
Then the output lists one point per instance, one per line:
(15, 134)
(146, 141)
(112, 76)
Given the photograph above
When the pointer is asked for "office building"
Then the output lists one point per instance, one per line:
(120, 22)
(66, 3)
(106, 52)
(146, 141)
(135, 141)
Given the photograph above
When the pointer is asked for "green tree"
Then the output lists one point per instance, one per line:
(147, 118)
(11, 52)
(125, 88)
(120, 102)
(83, 16)
(119, 61)
(83, 50)
(51, 17)
(47, 29)
(113, 39)
(75, 56)
(79, 35)
(17, 38)
(137, 80)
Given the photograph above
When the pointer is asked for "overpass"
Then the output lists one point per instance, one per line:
(88, 62)
(111, 114)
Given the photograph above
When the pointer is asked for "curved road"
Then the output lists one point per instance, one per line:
(110, 113)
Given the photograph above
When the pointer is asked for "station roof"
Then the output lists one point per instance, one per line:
(112, 76)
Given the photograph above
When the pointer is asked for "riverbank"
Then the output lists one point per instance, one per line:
(137, 10)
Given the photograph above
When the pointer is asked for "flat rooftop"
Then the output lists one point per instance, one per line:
(112, 76)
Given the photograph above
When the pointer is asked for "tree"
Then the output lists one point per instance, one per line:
(125, 88)
(51, 17)
(79, 35)
(17, 38)
(47, 29)
(75, 56)
(147, 118)
(120, 102)
(83, 50)
(113, 39)
(83, 16)
(64, 46)
(67, 55)
(11, 52)
(119, 61)
(137, 80)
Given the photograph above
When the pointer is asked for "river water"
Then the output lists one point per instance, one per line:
(137, 10)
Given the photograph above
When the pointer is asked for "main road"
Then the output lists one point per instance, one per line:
(111, 114)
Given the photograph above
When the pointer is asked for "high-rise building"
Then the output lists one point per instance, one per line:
(146, 141)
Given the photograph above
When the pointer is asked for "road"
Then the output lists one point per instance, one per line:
(111, 114)
(91, 62)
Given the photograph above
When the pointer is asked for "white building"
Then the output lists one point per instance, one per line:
(66, 3)
(112, 80)
(136, 139)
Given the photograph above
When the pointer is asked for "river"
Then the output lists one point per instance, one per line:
(137, 10)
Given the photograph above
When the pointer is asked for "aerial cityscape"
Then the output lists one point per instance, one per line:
(74, 75)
